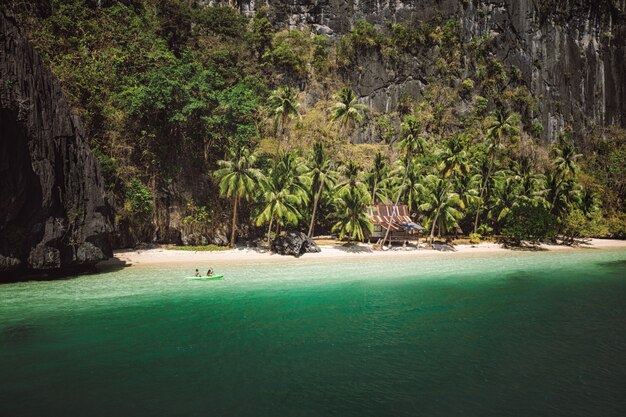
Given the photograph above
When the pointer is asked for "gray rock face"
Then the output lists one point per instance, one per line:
(295, 244)
(53, 215)
(572, 55)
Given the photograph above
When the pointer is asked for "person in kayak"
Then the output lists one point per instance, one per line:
(209, 273)
(197, 273)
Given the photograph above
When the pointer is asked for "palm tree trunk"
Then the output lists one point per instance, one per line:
(315, 202)
(374, 191)
(432, 229)
(482, 192)
(269, 229)
(234, 225)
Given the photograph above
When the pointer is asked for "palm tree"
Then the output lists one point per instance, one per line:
(352, 219)
(588, 202)
(441, 202)
(376, 175)
(454, 157)
(466, 187)
(560, 194)
(410, 189)
(284, 192)
(565, 158)
(283, 103)
(321, 175)
(351, 172)
(347, 110)
(411, 142)
(237, 179)
(524, 173)
(502, 124)
(280, 205)
(505, 196)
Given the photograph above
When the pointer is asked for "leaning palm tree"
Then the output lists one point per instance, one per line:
(322, 177)
(283, 104)
(442, 204)
(352, 219)
(347, 111)
(237, 179)
(502, 124)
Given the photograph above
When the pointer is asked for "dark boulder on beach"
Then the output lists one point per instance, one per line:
(294, 243)
(53, 214)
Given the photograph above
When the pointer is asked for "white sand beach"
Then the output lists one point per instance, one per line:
(165, 255)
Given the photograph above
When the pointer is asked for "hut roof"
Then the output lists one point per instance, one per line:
(395, 217)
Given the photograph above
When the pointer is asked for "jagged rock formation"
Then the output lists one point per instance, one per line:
(53, 215)
(295, 244)
(572, 54)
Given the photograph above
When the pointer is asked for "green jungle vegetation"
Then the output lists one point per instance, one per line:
(247, 128)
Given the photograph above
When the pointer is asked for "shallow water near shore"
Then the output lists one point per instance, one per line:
(516, 334)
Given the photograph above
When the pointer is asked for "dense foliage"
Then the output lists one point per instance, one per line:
(241, 127)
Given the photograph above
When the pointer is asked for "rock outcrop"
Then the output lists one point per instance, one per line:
(53, 215)
(295, 244)
(572, 54)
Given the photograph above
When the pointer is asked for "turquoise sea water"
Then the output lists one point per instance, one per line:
(516, 334)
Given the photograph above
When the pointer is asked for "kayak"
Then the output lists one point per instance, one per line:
(211, 278)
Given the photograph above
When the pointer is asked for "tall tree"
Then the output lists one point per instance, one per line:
(528, 180)
(322, 177)
(351, 172)
(502, 124)
(411, 143)
(237, 179)
(283, 103)
(442, 204)
(347, 111)
(454, 157)
(284, 191)
(352, 220)
(376, 175)
(565, 158)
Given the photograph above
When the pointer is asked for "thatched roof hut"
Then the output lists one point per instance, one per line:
(397, 219)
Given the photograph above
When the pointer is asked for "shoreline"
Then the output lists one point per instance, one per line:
(163, 255)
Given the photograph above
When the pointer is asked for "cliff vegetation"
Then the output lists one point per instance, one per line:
(213, 125)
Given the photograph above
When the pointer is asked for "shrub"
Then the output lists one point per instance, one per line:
(291, 51)
(530, 222)
(576, 225)
(220, 20)
(365, 35)
(475, 237)
(467, 86)
(138, 203)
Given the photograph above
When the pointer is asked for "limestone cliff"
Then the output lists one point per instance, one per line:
(53, 215)
(572, 54)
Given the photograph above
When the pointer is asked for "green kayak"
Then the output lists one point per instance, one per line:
(211, 278)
